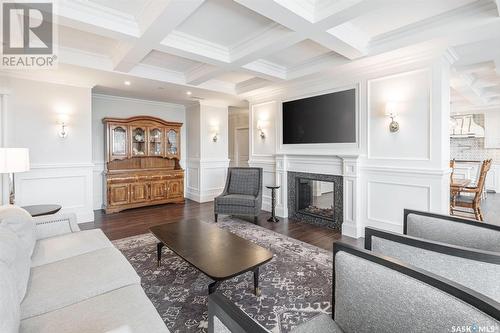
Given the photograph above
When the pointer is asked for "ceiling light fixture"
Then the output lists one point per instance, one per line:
(188, 93)
(127, 83)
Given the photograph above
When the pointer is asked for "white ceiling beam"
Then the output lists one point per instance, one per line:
(157, 20)
(187, 46)
(96, 19)
(295, 22)
(318, 64)
(472, 22)
(250, 84)
(466, 85)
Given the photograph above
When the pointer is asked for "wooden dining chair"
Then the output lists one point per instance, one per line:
(453, 192)
(473, 202)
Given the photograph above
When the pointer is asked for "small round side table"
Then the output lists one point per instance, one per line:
(273, 189)
(40, 210)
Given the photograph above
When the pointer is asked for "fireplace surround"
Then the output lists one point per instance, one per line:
(316, 198)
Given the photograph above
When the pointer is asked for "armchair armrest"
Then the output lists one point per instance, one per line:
(54, 225)
(470, 189)
(224, 316)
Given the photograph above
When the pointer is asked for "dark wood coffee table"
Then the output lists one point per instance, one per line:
(217, 253)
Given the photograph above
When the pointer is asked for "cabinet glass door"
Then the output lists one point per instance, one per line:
(118, 142)
(172, 143)
(138, 141)
(155, 142)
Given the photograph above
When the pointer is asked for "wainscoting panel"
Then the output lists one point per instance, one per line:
(69, 185)
(205, 179)
(398, 196)
(268, 178)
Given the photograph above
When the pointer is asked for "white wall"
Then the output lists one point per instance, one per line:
(383, 172)
(112, 106)
(61, 169)
(238, 118)
(208, 160)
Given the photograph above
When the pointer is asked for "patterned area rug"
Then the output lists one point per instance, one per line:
(296, 284)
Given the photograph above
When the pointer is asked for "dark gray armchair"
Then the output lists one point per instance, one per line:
(242, 194)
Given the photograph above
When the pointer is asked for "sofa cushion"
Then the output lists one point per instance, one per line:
(9, 301)
(21, 223)
(244, 181)
(57, 248)
(237, 200)
(122, 310)
(13, 254)
(74, 279)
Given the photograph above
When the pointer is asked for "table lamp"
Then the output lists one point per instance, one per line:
(13, 160)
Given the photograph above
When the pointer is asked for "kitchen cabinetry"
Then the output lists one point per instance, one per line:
(492, 130)
(142, 163)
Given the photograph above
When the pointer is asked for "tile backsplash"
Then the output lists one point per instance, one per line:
(473, 148)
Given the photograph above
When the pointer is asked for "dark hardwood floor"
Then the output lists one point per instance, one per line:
(138, 221)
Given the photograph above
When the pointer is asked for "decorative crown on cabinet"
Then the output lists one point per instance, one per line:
(142, 162)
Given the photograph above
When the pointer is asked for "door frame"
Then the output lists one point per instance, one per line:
(235, 146)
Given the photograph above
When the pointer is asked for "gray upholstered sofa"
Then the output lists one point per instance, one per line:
(374, 293)
(452, 230)
(242, 193)
(475, 269)
(55, 278)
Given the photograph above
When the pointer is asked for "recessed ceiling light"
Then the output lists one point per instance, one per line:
(188, 93)
(127, 83)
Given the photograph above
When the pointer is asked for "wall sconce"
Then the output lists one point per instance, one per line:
(391, 112)
(63, 125)
(261, 134)
(215, 137)
(63, 131)
(261, 131)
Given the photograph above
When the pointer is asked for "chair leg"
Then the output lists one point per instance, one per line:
(477, 214)
(216, 215)
(480, 214)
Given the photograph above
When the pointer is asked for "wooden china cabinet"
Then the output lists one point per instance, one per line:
(142, 162)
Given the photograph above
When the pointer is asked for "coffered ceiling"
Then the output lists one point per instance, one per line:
(220, 48)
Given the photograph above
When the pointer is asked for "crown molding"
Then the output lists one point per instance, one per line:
(90, 12)
(476, 8)
(186, 42)
(30, 77)
(268, 68)
(137, 100)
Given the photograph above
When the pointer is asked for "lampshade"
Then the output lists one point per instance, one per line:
(14, 160)
(391, 109)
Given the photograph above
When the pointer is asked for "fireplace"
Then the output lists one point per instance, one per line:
(316, 198)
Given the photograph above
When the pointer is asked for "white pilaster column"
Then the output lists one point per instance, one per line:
(352, 225)
(281, 181)
(4, 179)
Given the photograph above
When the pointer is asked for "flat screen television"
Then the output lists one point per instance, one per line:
(329, 118)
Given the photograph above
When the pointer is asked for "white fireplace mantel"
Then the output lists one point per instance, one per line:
(339, 165)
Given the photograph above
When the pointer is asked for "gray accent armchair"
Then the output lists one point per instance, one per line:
(242, 194)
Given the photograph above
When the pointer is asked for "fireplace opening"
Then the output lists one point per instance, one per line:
(315, 198)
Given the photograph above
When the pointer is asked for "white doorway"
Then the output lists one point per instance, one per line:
(241, 150)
